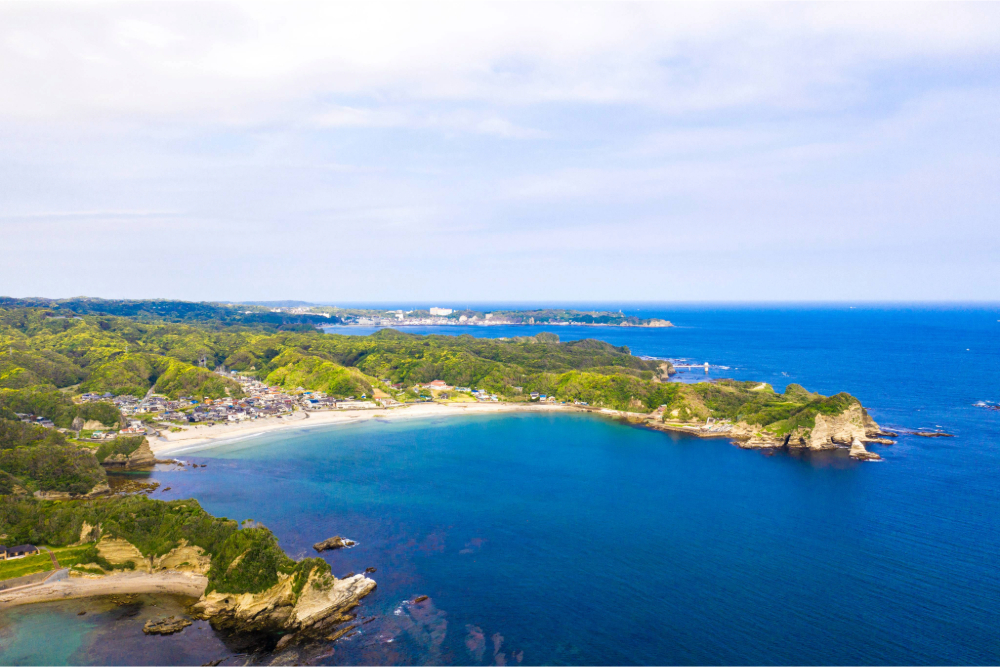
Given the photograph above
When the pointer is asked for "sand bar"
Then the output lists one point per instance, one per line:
(167, 582)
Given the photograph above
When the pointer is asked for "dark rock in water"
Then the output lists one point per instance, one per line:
(165, 626)
(933, 434)
(335, 542)
(81, 613)
(370, 570)
(348, 575)
(419, 599)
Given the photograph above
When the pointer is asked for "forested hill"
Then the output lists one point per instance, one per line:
(209, 314)
(41, 352)
(45, 361)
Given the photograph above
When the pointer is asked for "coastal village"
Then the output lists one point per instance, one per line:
(154, 412)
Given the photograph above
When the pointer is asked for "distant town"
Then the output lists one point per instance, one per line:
(438, 316)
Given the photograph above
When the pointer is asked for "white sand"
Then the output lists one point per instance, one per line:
(170, 581)
(198, 437)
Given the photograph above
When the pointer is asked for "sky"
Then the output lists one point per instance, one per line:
(366, 152)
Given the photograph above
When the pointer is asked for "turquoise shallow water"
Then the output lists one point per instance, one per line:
(574, 539)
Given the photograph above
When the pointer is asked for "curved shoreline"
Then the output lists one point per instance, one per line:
(201, 437)
(169, 582)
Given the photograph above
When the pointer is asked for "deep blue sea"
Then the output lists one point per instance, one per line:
(573, 539)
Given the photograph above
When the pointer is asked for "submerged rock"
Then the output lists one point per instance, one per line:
(335, 542)
(166, 626)
(933, 434)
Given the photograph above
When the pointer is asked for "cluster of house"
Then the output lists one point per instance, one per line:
(543, 398)
(35, 419)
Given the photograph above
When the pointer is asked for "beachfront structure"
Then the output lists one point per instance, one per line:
(441, 312)
(7, 553)
(438, 385)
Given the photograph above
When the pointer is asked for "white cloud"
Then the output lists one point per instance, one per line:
(593, 143)
(275, 62)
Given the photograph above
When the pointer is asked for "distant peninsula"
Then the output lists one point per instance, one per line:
(436, 316)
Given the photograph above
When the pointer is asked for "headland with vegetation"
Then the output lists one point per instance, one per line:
(86, 385)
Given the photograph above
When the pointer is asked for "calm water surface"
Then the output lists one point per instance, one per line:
(573, 539)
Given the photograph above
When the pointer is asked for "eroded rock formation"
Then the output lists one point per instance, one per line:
(323, 601)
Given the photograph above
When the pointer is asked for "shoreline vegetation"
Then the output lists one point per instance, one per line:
(88, 386)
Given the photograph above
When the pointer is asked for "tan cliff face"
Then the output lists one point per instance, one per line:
(829, 432)
(140, 458)
(324, 598)
(184, 558)
(118, 551)
(836, 430)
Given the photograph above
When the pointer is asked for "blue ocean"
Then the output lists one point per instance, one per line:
(575, 539)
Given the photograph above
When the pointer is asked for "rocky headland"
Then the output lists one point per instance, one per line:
(853, 428)
(324, 601)
(126, 453)
(754, 416)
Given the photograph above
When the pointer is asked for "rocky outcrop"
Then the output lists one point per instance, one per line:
(335, 542)
(117, 552)
(184, 558)
(166, 626)
(89, 533)
(833, 430)
(874, 432)
(859, 452)
(142, 457)
(323, 601)
(98, 490)
(827, 432)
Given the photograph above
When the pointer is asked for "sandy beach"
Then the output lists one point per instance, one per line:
(201, 436)
(170, 581)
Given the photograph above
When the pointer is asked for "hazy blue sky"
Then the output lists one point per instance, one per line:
(525, 151)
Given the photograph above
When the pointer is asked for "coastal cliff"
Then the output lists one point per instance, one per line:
(754, 416)
(322, 601)
(306, 597)
(825, 432)
(126, 452)
(244, 580)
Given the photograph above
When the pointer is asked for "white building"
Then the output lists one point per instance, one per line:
(441, 312)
